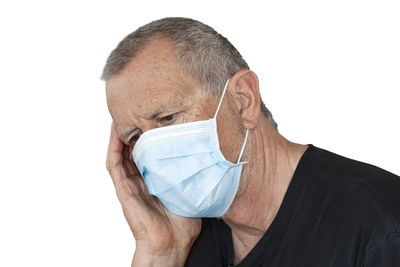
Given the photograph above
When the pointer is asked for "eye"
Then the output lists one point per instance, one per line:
(167, 119)
(134, 138)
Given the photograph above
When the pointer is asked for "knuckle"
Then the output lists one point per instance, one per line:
(108, 167)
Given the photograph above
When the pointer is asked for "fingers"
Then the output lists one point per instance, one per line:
(131, 169)
(124, 174)
(118, 162)
(114, 154)
(125, 152)
(115, 147)
(128, 163)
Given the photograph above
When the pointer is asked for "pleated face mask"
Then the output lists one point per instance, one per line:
(183, 166)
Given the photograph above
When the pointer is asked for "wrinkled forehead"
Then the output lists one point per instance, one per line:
(152, 77)
(142, 92)
(154, 67)
(146, 99)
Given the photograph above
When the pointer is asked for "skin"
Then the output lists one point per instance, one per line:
(143, 97)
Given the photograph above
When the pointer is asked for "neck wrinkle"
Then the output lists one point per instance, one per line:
(272, 161)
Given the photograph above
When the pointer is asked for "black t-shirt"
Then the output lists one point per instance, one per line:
(337, 212)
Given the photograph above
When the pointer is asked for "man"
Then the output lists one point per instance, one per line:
(205, 178)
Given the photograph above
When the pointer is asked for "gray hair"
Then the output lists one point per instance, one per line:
(202, 52)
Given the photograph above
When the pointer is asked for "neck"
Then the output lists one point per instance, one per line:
(264, 182)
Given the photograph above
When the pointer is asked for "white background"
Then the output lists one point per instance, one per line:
(329, 72)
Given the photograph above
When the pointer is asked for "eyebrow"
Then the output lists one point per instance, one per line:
(125, 136)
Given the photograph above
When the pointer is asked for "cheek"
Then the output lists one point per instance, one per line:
(230, 129)
(203, 110)
(230, 136)
(193, 115)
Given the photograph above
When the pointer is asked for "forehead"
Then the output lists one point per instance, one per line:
(151, 80)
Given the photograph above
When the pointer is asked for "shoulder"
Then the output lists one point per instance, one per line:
(372, 190)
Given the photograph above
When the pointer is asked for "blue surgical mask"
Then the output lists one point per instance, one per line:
(183, 166)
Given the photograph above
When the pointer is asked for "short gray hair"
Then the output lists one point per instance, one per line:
(202, 52)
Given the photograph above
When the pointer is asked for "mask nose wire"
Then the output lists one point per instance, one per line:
(215, 116)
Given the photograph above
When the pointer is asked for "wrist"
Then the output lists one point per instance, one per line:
(172, 258)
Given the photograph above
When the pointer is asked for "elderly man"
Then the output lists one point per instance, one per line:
(205, 179)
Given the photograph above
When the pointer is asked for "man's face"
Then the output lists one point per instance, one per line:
(152, 91)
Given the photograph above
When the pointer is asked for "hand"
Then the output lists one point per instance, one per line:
(160, 235)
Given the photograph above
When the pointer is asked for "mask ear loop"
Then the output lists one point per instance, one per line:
(243, 146)
(247, 130)
(222, 97)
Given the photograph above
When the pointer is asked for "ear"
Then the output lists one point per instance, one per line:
(244, 88)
